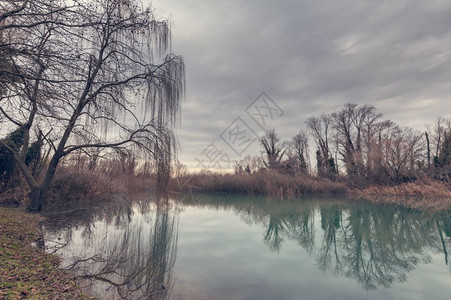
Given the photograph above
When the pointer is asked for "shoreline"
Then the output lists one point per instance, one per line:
(424, 193)
(27, 271)
(420, 195)
(423, 202)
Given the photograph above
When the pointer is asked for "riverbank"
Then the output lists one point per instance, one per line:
(25, 270)
(271, 183)
(424, 193)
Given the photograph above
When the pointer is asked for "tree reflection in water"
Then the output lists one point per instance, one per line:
(129, 250)
(375, 245)
(123, 251)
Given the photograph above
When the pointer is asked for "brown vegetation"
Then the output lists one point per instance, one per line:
(81, 180)
(428, 188)
(420, 194)
(426, 193)
(270, 182)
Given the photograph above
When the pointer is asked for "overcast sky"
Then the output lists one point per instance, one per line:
(309, 57)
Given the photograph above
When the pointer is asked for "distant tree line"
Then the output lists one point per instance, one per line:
(357, 144)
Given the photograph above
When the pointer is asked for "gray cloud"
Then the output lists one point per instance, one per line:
(311, 57)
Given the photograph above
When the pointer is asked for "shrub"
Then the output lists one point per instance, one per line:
(72, 186)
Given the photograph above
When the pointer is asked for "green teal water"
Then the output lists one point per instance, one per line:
(235, 247)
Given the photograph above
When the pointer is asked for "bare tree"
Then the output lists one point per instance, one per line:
(372, 149)
(357, 128)
(249, 164)
(273, 149)
(93, 74)
(402, 149)
(443, 164)
(343, 124)
(376, 170)
(299, 145)
(320, 129)
(436, 135)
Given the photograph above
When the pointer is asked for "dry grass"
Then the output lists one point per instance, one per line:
(424, 188)
(264, 183)
(74, 185)
(426, 193)
(27, 272)
(79, 186)
(421, 194)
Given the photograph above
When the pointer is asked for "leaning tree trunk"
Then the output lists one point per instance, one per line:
(36, 190)
(39, 194)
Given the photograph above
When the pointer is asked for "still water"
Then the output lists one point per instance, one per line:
(235, 247)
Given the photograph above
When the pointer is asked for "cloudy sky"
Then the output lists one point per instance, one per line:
(310, 57)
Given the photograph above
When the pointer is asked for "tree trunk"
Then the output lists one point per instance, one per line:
(38, 196)
(36, 190)
(35, 199)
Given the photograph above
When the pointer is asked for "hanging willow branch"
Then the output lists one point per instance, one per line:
(96, 73)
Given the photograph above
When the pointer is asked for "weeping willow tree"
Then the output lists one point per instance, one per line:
(90, 74)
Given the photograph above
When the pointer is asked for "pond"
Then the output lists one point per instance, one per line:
(242, 247)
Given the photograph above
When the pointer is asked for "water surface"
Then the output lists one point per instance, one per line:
(235, 247)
